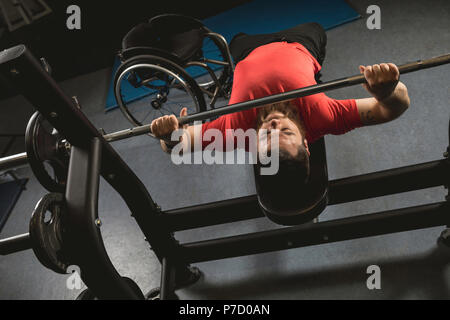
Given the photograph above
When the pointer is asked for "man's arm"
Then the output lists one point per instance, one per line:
(390, 97)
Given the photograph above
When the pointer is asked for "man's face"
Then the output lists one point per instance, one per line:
(289, 136)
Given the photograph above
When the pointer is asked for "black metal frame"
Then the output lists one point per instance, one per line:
(12, 138)
(92, 157)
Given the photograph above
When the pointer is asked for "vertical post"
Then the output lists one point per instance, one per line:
(168, 273)
(82, 236)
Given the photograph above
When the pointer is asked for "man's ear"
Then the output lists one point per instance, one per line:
(305, 142)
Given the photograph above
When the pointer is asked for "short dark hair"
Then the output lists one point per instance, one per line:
(282, 189)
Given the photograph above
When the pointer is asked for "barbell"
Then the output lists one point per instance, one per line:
(45, 147)
(298, 93)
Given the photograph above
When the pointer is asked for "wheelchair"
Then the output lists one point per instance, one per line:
(158, 59)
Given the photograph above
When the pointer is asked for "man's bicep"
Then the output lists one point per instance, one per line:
(370, 111)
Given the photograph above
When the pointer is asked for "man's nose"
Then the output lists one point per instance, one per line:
(274, 123)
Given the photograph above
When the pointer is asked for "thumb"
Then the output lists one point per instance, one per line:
(183, 113)
(361, 69)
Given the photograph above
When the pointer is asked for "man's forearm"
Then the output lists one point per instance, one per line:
(397, 102)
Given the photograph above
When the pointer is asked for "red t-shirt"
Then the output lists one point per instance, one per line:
(279, 67)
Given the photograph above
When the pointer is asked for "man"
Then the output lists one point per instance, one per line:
(287, 60)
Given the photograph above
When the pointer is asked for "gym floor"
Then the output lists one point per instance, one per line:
(412, 266)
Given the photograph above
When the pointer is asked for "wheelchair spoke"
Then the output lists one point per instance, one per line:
(168, 113)
(171, 110)
(148, 113)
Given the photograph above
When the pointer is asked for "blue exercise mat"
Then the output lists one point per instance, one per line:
(256, 17)
(9, 194)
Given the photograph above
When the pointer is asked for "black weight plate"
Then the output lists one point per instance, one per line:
(49, 165)
(45, 232)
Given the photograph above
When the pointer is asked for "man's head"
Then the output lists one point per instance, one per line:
(283, 187)
(282, 116)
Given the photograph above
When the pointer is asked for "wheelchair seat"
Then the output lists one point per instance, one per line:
(176, 37)
(312, 197)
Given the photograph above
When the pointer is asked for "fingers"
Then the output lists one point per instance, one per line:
(164, 126)
(394, 70)
(390, 71)
(173, 122)
(384, 68)
(384, 72)
(154, 126)
(376, 69)
(381, 79)
(361, 69)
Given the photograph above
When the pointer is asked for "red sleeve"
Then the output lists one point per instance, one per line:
(345, 115)
(332, 116)
(221, 123)
(241, 120)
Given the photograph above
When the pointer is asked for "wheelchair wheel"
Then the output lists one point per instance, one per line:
(162, 88)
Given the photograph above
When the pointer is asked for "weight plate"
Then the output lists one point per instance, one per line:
(48, 162)
(45, 232)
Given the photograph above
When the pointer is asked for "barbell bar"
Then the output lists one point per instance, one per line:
(13, 161)
(20, 159)
(298, 93)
